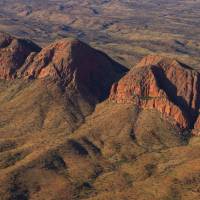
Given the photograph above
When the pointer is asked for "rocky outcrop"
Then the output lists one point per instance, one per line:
(156, 82)
(13, 53)
(75, 65)
(163, 84)
(196, 130)
(70, 62)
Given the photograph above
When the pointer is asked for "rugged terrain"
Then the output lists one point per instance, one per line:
(75, 124)
(125, 29)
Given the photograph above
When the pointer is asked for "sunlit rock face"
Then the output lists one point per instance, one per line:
(13, 53)
(69, 61)
(163, 84)
(76, 65)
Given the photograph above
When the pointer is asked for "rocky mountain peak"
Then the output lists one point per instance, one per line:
(75, 65)
(13, 53)
(163, 84)
(69, 61)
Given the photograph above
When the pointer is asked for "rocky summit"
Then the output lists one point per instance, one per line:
(13, 53)
(71, 62)
(163, 84)
(76, 65)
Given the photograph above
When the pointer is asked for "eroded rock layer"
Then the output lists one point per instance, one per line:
(165, 85)
(13, 53)
(76, 65)
(70, 62)
(196, 130)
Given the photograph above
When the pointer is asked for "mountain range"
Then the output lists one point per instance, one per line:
(76, 124)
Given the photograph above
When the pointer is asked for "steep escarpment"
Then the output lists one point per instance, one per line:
(196, 130)
(76, 66)
(165, 85)
(13, 53)
(71, 76)
(85, 74)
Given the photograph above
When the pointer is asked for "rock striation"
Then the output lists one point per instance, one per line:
(13, 53)
(70, 62)
(160, 83)
(196, 130)
(163, 84)
(76, 65)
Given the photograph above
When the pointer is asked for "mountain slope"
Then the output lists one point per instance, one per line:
(76, 65)
(13, 53)
(163, 84)
(63, 136)
(67, 73)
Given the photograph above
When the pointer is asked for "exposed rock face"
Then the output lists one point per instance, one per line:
(163, 84)
(13, 53)
(75, 65)
(156, 82)
(196, 130)
(72, 63)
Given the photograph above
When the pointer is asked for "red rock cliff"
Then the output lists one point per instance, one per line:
(70, 62)
(13, 53)
(76, 65)
(196, 130)
(163, 84)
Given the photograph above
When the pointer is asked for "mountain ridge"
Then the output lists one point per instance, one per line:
(64, 137)
(164, 84)
(157, 82)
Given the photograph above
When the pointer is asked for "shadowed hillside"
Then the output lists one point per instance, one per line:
(71, 128)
